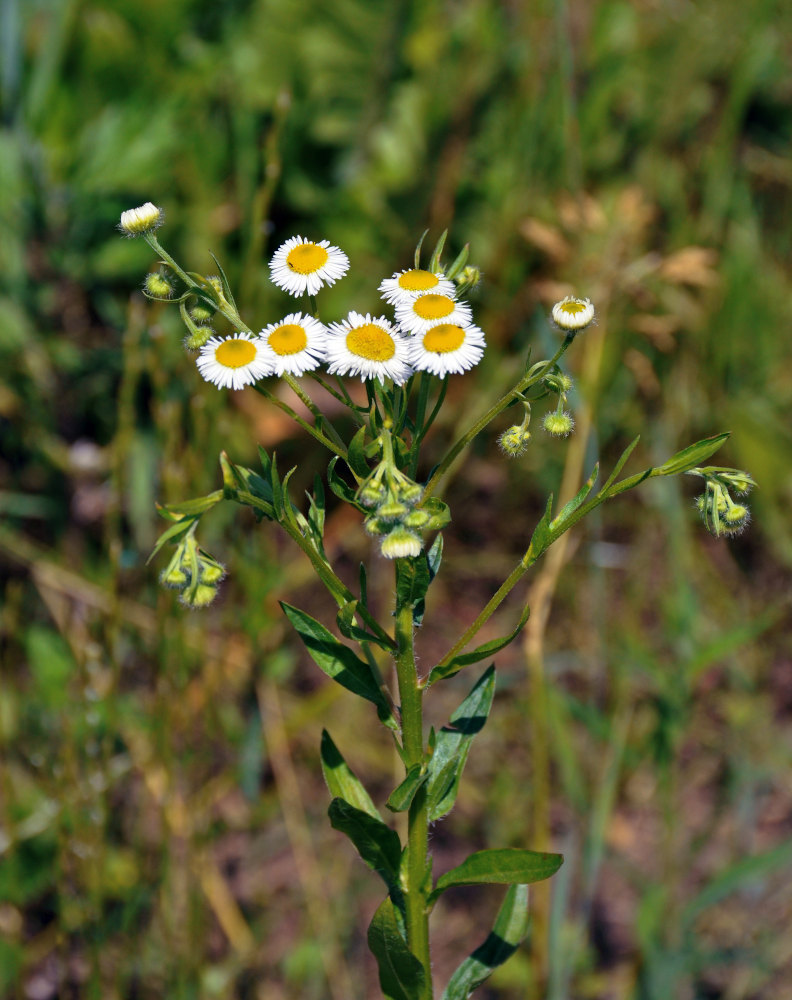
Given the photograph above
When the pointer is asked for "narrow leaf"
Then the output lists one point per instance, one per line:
(482, 652)
(434, 557)
(348, 628)
(459, 263)
(356, 454)
(188, 508)
(620, 464)
(572, 505)
(434, 263)
(401, 797)
(506, 865)
(172, 534)
(334, 658)
(424, 234)
(401, 975)
(542, 535)
(692, 456)
(376, 843)
(339, 486)
(342, 781)
(452, 745)
(224, 279)
(510, 928)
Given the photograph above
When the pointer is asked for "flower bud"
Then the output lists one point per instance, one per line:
(174, 577)
(558, 424)
(735, 519)
(211, 572)
(197, 337)
(371, 494)
(410, 493)
(416, 520)
(392, 510)
(201, 313)
(401, 543)
(198, 597)
(467, 279)
(376, 526)
(159, 285)
(739, 481)
(138, 221)
(573, 315)
(514, 441)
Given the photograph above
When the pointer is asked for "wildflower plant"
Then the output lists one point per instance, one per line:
(404, 362)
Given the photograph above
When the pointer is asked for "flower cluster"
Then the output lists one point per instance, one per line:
(719, 512)
(193, 572)
(394, 498)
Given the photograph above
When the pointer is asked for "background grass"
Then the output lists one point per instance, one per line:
(163, 828)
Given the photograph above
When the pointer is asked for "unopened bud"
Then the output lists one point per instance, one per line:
(137, 221)
(376, 526)
(416, 520)
(212, 572)
(410, 493)
(159, 285)
(197, 337)
(514, 441)
(392, 510)
(201, 313)
(558, 424)
(735, 519)
(467, 279)
(371, 495)
(401, 543)
(573, 315)
(198, 597)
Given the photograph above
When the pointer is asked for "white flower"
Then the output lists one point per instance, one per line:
(371, 348)
(300, 266)
(429, 309)
(405, 286)
(446, 348)
(295, 345)
(136, 221)
(573, 314)
(401, 543)
(234, 362)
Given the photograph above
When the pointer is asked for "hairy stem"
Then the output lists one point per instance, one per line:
(417, 873)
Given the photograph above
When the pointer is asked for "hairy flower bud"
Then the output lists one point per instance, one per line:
(201, 313)
(138, 221)
(159, 285)
(558, 424)
(198, 336)
(401, 543)
(573, 315)
(467, 279)
(514, 441)
(198, 597)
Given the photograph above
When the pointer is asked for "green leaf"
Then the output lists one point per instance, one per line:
(434, 263)
(542, 535)
(424, 234)
(434, 557)
(350, 630)
(334, 658)
(691, 456)
(620, 464)
(401, 797)
(412, 582)
(224, 280)
(376, 843)
(482, 652)
(341, 780)
(439, 514)
(356, 454)
(571, 506)
(401, 975)
(452, 745)
(340, 487)
(172, 534)
(189, 508)
(459, 263)
(510, 928)
(505, 865)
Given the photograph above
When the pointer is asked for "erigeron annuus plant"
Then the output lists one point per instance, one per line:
(404, 361)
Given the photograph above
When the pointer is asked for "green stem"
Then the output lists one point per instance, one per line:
(417, 872)
(319, 417)
(525, 383)
(313, 431)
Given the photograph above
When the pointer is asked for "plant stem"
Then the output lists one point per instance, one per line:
(525, 383)
(313, 431)
(417, 873)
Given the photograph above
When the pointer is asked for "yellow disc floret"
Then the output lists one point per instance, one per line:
(443, 338)
(306, 258)
(433, 306)
(417, 280)
(290, 338)
(235, 353)
(371, 341)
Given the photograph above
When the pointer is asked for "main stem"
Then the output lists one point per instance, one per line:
(416, 876)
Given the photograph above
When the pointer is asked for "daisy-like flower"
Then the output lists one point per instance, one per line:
(429, 310)
(370, 348)
(300, 266)
(295, 345)
(137, 221)
(405, 286)
(234, 362)
(573, 314)
(446, 348)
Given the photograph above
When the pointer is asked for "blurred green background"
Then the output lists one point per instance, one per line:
(163, 828)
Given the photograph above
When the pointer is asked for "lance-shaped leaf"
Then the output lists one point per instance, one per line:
(571, 506)
(356, 454)
(342, 781)
(510, 928)
(542, 535)
(439, 514)
(335, 659)
(692, 456)
(401, 975)
(452, 745)
(189, 508)
(434, 261)
(376, 843)
(401, 797)
(501, 866)
(484, 651)
(434, 557)
(172, 534)
(340, 487)
(412, 582)
(350, 630)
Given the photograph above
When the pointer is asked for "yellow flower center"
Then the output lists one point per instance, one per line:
(433, 306)
(235, 353)
(306, 258)
(573, 307)
(417, 281)
(371, 342)
(288, 339)
(444, 338)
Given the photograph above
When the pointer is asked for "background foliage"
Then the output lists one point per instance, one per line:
(163, 815)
